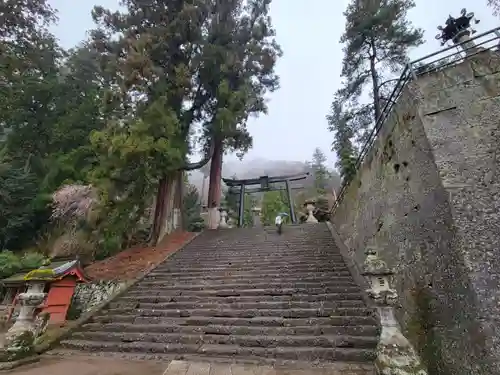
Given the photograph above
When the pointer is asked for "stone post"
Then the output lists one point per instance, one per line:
(256, 217)
(309, 205)
(230, 218)
(213, 218)
(19, 339)
(395, 354)
(223, 218)
(463, 39)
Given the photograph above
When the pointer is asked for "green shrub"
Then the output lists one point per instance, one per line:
(108, 246)
(196, 225)
(10, 263)
(33, 260)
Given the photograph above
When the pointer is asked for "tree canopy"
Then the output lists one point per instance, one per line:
(321, 174)
(120, 111)
(376, 41)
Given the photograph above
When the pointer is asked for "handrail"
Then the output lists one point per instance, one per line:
(408, 74)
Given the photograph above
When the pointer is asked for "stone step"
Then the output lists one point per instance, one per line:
(234, 351)
(141, 290)
(264, 341)
(334, 320)
(245, 313)
(241, 295)
(240, 299)
(317, 330)
(237, 305)
(250, 275)
(250, 278)
(250, 268)
(274, 250)
(173, 285)
(266, 261)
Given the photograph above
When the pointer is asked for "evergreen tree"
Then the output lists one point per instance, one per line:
(232, 203)
(273, 203)
(495, 4)
(29, 57)
(22, 206)
(191, 209)
(339, 123)
(321, 174)
(376, 42)
(176, 64)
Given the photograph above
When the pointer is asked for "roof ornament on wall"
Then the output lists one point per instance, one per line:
(457, 30)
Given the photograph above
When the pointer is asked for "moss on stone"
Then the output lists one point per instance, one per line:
(40, 274)
(18, 347)
(421, 331)
(386, 362)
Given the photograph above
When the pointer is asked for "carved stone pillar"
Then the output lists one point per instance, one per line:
(223, 218)
(309, 205)
(256, 217)
(395, 354)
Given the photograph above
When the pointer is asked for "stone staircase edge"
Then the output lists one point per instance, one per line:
(352, 266)
(85, 318)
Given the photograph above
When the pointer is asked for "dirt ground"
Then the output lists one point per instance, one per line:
(128, 264)
(89, 366)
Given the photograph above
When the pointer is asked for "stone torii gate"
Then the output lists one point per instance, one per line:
(265, 183)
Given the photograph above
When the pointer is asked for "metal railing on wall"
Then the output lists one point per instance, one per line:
(433, 62)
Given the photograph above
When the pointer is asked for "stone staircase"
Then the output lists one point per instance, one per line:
(241, 294)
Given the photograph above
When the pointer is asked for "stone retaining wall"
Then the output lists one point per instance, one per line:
(427, 197)
(92, 294)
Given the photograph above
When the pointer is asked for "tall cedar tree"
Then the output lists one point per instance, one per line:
(28, 55)
(177, 64)
(377, 38)
(376, 42)
(28, 71)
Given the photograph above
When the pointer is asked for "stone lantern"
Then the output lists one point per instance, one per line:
(395, 354)
(459, 31)
(223, 218)
(256, 211)
(19, 339)
(230, 219)
(310, 205)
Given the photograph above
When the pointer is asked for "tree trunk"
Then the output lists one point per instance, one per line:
(179, 200)
(214, 186)
(375, 84)
(159, 211)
